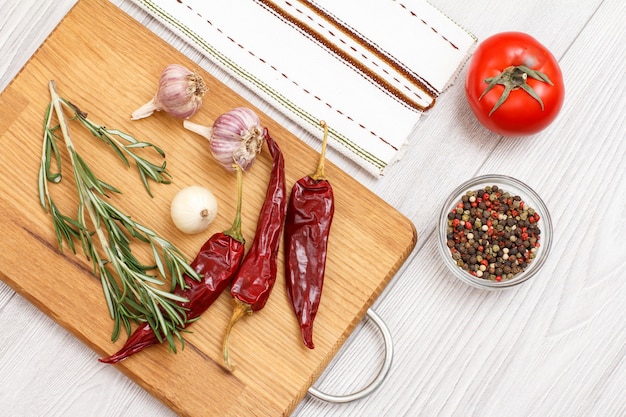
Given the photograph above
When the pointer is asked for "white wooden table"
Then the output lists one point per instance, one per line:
(555, 346)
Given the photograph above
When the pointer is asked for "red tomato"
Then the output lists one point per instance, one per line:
(517, 64)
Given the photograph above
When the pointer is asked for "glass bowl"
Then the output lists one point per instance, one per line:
(531, 200)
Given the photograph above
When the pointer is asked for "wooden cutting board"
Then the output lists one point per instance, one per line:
(108, 64)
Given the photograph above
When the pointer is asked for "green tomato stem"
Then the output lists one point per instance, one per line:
(513, 78)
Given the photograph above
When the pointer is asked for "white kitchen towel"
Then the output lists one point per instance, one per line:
(369, 68)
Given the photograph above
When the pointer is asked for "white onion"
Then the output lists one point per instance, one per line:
(180, 94)
(193, 209)
(235, 138)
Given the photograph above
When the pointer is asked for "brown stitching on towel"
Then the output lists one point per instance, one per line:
(412, 13)
(338, 111)
(373, 48)
(400, 95)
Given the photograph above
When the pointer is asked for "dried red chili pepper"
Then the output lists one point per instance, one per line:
(255, 279)
(217, 262)
(307, 226)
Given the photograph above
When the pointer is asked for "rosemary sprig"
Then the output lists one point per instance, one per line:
(133, 291)
(147, 169)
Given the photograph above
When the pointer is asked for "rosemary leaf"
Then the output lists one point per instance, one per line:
(170, 295)
(52, 149)
(41, 180)
(145, 183)
(171, 342)
(106, 280)
(87, 177)
(172, 266)
(161, 327)
(149, 279)
(64, 229)
(157, 258)
(184, 267)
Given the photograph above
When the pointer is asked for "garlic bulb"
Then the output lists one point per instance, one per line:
(180, 94)
(235, 138)
(193, 209)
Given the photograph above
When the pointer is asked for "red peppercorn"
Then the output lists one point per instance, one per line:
(468, 225)
(498, 278)
(455, 223)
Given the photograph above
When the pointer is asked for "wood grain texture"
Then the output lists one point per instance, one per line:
(553, 347)
(95, 65)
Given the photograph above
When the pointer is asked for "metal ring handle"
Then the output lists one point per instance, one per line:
(384, 330)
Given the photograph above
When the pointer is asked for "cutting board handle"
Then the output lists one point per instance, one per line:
(382, 374)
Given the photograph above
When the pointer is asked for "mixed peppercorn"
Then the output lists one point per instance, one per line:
(492, 234)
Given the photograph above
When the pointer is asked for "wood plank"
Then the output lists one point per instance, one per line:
(108, 67)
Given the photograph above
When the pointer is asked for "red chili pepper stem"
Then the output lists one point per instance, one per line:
(319, 174)
(240, 309)
(235, 230)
